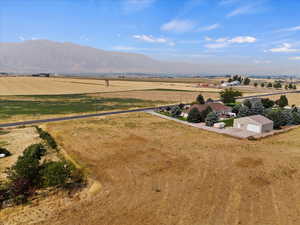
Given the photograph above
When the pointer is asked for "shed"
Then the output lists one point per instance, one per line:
(257, 124)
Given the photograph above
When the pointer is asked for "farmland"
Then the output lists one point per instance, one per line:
(175, 175)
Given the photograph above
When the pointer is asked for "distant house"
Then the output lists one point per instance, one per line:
(230, 84)
(218, 108)
(41, 75)
(257, 124)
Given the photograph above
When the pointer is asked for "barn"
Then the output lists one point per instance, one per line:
(257, 124)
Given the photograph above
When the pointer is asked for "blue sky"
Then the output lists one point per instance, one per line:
(264, 34)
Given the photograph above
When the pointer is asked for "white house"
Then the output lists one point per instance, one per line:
(257, 124)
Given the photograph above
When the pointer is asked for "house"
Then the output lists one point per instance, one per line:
(229, 84)
(218, 108)
(257, 124)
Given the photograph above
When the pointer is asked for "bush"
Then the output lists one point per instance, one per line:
(47, 137)
(211, 119)
(257, 108)
(296, 118)
(20, 189)
(205, 112)
(54, 174)
(243, 111)
(275, 116)
(5, 152)
(194, 116)
(282, 101)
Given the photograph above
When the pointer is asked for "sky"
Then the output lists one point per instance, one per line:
(261, 34)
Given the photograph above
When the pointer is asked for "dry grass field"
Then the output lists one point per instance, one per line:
(294, 98)
(157, 172)
(55, 86)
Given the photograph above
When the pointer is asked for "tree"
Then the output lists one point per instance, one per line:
(236, 108)
(294, 87)
(209, 100)
(277, 84)
(54, 173)
(205, 112)
(244, 111)
(211, 119)
(257, 108)
(229, 95)
(247, 81)
(200, 99)
(282, 101)
(262, 85)
(296, 118)
(270, 85)
(255, 84)
(290, 86)
(194, 116)
(286, 87)
(275, 116)
(267, 103)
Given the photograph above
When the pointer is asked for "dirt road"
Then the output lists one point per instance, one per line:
(157, 172)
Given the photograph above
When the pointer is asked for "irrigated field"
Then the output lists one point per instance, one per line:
(157, 172)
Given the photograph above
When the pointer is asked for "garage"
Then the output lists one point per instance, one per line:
(256, 124)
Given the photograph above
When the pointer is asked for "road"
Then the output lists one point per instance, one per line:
(31, 122)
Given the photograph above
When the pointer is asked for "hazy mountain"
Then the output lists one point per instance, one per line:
(49, 56)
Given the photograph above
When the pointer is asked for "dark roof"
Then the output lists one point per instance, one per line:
(216, 107)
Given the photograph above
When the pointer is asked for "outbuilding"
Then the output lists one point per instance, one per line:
(257, 124)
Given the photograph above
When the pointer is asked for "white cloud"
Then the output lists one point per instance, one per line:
(285, 48)
(136, 5)
(243, 39)
(295, 58)
(296, 28)
(151, 39)
(179, 26)
(225, 42)
(241, 10)
(208, 28)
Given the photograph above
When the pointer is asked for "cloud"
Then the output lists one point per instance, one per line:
(225, 42)
(285, 48)
(241, 10)
(151, 39)
(295, 58)
(21, 38)
(243, 39)
(290, 29)
(136, 5)
(179, 26)
(208, 28)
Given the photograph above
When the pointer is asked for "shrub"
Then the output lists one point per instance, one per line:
(257, 108)
(54, 173)
(275, 116)
(194, 116)
(205, 112)
(211, 119)
(236, 108)
(5, 152)
(20, 189)
(247, 103)
(296, 118)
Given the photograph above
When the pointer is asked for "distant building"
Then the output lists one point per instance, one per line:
(41, 75)
(257, 124)
(229, 84)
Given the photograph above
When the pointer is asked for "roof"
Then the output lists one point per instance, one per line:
(258, 119)
(216, 107)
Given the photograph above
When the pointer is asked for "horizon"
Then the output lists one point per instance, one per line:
(220, 33)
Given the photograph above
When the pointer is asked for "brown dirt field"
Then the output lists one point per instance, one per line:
(17, 140)
(294, 99)
(155, 171)
(51, 86)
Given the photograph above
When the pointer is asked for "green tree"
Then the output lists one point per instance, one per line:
(247, 103)
(54, 173)
(290, 86)
(257, 108)
(211, 119)
(194, 116)
(282, 101)
(229, 95)
(270, 85)
(255, 84)
(244, 111)
(262, 85)
(277, 85)
(275, 116)
(200, 99)
(247, 81)
(205, 112)
(267, 103)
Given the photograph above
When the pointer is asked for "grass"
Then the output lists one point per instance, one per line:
(228, 122)
(67, 104)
